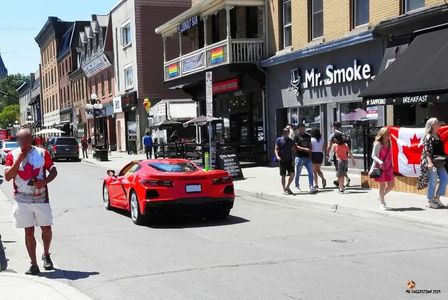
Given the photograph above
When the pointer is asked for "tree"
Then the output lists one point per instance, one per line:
(9, 115)
(8, 88)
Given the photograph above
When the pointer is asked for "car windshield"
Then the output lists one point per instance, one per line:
(66, 141)
(10, 145)
(181, 167)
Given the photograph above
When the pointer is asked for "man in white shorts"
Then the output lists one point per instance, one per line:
(28, 166)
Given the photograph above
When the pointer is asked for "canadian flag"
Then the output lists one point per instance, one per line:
(407, 148)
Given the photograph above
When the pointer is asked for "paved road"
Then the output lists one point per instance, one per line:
(264, 250)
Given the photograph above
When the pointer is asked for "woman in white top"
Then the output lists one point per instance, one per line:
(317, 156)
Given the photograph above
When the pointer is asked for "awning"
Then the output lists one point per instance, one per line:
(419, 75)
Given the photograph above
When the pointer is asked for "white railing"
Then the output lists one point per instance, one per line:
(217, 54)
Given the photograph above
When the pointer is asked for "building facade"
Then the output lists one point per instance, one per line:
(137, 52)
(96, 60)
(226, 38)
(24, 92)
(35, 103)
(324, 54)
(49, 39)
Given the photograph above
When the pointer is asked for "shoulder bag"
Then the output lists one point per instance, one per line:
(377, 171)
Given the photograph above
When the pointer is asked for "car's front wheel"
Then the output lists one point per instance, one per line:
(136, 215)
(106, 197)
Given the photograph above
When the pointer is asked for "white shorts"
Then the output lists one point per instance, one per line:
(32, 214)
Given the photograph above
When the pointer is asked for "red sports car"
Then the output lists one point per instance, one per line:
(152, 186)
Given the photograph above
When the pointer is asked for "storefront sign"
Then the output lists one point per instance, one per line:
(117, 105)
(226, 86)
(188, 24)
(381, 101)
(313, 78)
(96, 65)
(209, 93)
(193, 63)
(132, 130)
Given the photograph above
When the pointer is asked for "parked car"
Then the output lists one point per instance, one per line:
(63, 148)
(6, 147)
(148, 187)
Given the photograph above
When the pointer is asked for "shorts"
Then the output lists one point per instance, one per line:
(317, 157)
(286, 168)
(32, 214)
(342, 168)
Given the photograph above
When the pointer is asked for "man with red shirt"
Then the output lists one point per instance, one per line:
(27, 166)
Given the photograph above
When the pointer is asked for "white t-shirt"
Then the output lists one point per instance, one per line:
(317, 145)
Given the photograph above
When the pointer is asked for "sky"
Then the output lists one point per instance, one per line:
(19, 51)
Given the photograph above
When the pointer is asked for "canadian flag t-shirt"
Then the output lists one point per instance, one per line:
(37, 162)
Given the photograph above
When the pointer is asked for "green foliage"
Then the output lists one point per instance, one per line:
(9, 115)
(9, 85)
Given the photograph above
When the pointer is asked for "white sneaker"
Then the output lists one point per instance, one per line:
(383, 206)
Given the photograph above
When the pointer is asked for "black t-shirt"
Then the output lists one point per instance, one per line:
(303, 141)
(285, 148)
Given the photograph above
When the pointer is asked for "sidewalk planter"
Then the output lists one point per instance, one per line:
(402, 184)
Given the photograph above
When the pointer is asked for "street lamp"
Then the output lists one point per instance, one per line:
(94, 105)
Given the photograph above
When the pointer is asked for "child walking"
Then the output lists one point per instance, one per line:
(343, 153)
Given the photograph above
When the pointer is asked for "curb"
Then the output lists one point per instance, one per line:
(14, 286)
(340, 208)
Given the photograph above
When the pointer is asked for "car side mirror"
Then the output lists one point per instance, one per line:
(111, 173)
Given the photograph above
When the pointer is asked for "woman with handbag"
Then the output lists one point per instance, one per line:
(432, 165)
(382, 169)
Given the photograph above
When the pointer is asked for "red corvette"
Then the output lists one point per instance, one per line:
(152, 186)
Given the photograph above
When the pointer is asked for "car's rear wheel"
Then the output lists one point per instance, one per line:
(106, 197)
(136, 215)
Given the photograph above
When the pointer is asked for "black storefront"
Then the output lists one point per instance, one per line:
(414, 84)
(319, 85)
(238, 102)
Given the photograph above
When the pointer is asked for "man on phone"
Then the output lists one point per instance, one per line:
(28, 166)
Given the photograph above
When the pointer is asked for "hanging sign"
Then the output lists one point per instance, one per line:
(209, 93)
(188, 24)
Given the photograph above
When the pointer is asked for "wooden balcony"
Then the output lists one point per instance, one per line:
(228, 51)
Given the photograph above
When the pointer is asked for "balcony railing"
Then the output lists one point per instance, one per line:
(228, 51)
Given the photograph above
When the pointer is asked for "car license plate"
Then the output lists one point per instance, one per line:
(193, 188)
(67, 149)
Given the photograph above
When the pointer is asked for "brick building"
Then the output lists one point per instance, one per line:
(96, 61)
(49, 39)
(67, 59)
(137, 56)
(323, 55)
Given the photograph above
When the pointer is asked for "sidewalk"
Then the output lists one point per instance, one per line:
(264, 183)
(13, 283)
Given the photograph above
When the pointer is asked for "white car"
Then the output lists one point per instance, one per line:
(5, 148)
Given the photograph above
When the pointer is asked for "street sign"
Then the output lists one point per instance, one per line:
(209, 94)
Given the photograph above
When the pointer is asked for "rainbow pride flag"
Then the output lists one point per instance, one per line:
(217, 55)
(173, 70)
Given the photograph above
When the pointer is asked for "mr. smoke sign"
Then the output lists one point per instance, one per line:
(313, 78)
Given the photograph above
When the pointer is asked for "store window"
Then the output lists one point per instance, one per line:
(360, 11)
(353, 115)
(409, 5)
(286, 23)
(309, 115)
(317, 19)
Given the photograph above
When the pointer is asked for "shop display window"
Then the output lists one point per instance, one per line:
(309, 115)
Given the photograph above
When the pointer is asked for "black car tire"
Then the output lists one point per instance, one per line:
(106, 197)
(136, 215)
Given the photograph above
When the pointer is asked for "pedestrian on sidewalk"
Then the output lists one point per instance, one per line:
(317, 156)
(84, 147)
(382, 159)
(89, 143)
(331, 141)
(432, 165)
(27, 166)
(343, 153)
(284, 153)
(303, 151)
(148, 144)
